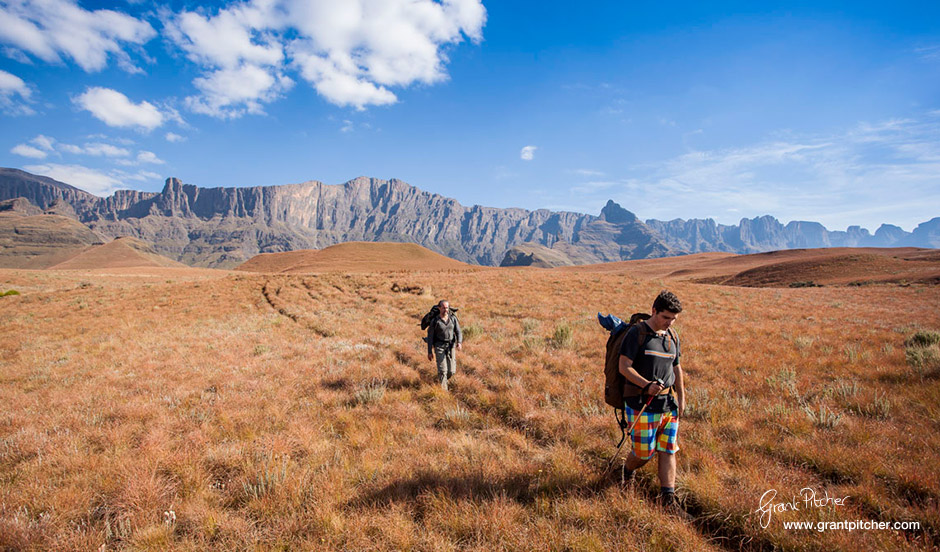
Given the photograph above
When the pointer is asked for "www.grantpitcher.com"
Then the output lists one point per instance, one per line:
(855, 525)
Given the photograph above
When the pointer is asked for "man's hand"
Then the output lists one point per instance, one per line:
(654, 389)
(459, 346)
(430, 356)
(681, 400)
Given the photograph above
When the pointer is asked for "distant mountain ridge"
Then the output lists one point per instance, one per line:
(767, 234)
(223, 227)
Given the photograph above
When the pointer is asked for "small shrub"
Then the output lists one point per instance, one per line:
(9, 292)
(922, 352)
(698, 404)
(823, 417)
(266, 481)
(562, 338)
(371, 392)
(471, 331)
(529, 325)
(923, 339)
(457, 415)
(846, 389)
(804, 341)
(878, 408)
(260, 350)
(807, 283)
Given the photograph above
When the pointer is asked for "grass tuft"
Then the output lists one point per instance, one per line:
(371, 392)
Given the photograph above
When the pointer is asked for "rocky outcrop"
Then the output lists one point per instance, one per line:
(533, 254)
(766, 233)
(223, 227)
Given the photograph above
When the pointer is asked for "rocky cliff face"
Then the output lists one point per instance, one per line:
(767, 234)
(223, 227)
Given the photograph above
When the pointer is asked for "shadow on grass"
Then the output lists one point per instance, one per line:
(523, 488)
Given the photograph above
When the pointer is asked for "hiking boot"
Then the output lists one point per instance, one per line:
(672, 507)
(444, 383)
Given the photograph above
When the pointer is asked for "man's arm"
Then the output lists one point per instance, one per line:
(458, 332)
(431, 340)
(634, 377)
(679, 386)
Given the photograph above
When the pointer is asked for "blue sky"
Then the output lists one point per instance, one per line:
(805, 111)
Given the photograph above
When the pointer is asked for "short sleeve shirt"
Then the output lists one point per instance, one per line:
(655, 361)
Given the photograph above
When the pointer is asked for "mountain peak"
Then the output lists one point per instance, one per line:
(613, 212)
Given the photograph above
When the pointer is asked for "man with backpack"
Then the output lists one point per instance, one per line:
(443, 335)
(654, 394)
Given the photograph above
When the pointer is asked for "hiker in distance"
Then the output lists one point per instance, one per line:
(649, 360)
(443, 336)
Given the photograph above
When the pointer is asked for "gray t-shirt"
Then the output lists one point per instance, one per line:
(441, 333)
(659, 355)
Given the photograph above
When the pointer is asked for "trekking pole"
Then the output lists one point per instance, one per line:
(629, 434)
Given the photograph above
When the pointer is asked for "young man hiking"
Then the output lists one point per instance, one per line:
(649, 360)
(443, 335)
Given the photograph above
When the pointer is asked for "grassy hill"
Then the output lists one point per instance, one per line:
(354, 257)
(292, 411)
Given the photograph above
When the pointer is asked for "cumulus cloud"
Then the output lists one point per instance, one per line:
(55, 29)
(29, 151)
(351, 51)
(528, 153)
(45, 142)
(230, 93)
(149, 157)
(15, 95)
(173, 137)
(90, 180)
(105, 150)
(52, 30)
(117, 110)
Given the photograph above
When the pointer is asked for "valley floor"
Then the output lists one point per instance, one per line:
(206, 410)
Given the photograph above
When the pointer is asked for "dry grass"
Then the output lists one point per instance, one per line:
(205, 410)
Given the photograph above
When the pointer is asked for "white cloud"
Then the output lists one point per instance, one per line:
(172, 137)
(90, 180)
(149, 157)
(45, 142)
(885, 172)
(588, 172)
(350, 51)
(15, 95)
(230, 93)
(116, 110)
(55, 29)
(105, 150)
(71, 148)
(29, 151)
(528, 153)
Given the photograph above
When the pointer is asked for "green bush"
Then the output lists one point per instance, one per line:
(471, 331)
(562, 338)
(923, 339)
(9, 292)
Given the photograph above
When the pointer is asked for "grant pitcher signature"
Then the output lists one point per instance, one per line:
(807, 499)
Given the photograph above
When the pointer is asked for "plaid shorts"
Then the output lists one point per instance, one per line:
(660, 428)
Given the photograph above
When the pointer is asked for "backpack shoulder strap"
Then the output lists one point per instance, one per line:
(674, 335)
(642, 335)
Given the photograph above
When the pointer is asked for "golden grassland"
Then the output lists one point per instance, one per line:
(169, 409)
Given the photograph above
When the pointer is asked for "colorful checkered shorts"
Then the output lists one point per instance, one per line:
(660, 428)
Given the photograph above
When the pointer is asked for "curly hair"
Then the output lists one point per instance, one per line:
(667, 300)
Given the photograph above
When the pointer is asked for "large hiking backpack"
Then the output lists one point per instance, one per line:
(434, 313)
(615, 384)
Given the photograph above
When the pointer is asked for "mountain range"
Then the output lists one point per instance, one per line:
(224, 227)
